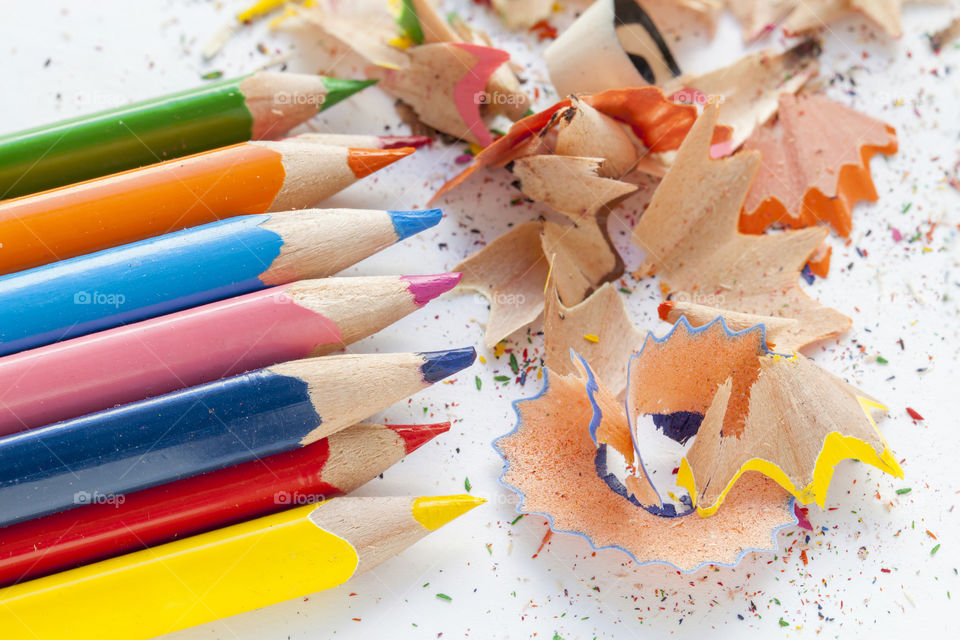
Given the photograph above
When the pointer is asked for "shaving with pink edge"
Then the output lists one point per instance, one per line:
(447, 76)
(470, 91)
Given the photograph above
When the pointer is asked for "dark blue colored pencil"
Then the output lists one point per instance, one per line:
(143, 444)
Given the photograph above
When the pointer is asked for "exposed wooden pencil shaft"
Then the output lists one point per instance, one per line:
(347, 388)
(358, 313)
(360, 453)
(411, 520)
(280, 101)
(313, 172)
(322, 242)
(374, 539)
(361, 141)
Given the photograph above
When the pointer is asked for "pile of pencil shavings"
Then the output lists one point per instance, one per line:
(694, 448)
(715, 440)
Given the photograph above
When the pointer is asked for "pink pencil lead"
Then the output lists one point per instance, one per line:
(426, 288)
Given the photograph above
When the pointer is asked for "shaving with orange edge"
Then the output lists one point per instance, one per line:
(816, 165)
(598, 126)
(690, 236)
(749, 89)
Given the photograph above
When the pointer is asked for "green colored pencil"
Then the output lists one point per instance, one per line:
(253, 107)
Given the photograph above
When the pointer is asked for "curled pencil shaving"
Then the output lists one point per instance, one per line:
(781, 416)
(778, 330)
(445, 84)
(582, 256)
(749, 89)
(706, 356)
(816, 165)
(674, 16)
(604, 315)
(448, 74)
(809, 15)
(802, 16)
(803, 420)
(613, 43)
(549, 461)
(610, 426)
(617, 460)
(570, 185)
(656, 124)
(504, 95)
(512, 270)
(509, 272)
(522, 14)
(690, 236)
(581, 130)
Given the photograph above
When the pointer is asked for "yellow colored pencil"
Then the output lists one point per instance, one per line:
(224, 572)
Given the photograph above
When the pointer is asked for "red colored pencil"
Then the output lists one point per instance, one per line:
(102, 529)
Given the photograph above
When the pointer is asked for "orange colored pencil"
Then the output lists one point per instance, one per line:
(246, 178)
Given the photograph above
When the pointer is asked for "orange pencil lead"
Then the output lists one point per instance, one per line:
(363, 162)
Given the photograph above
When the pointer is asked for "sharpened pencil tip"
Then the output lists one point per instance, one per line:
(426, 288)
(408, 223)
(340, 89)
(438, 365)
(435, 511)
(363, 162)
(416, 435)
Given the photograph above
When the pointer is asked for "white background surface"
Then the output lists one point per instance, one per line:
(66, 58)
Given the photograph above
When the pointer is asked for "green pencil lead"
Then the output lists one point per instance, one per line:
(341, 88)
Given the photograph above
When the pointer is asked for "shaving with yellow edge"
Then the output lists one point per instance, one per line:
(752, 410)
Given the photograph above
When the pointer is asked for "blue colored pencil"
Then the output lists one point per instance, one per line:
(191, 267)
(104, 455)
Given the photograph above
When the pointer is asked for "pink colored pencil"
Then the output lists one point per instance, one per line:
(360, 141)
(150, 358)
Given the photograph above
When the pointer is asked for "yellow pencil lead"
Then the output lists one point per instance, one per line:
(435, 511)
